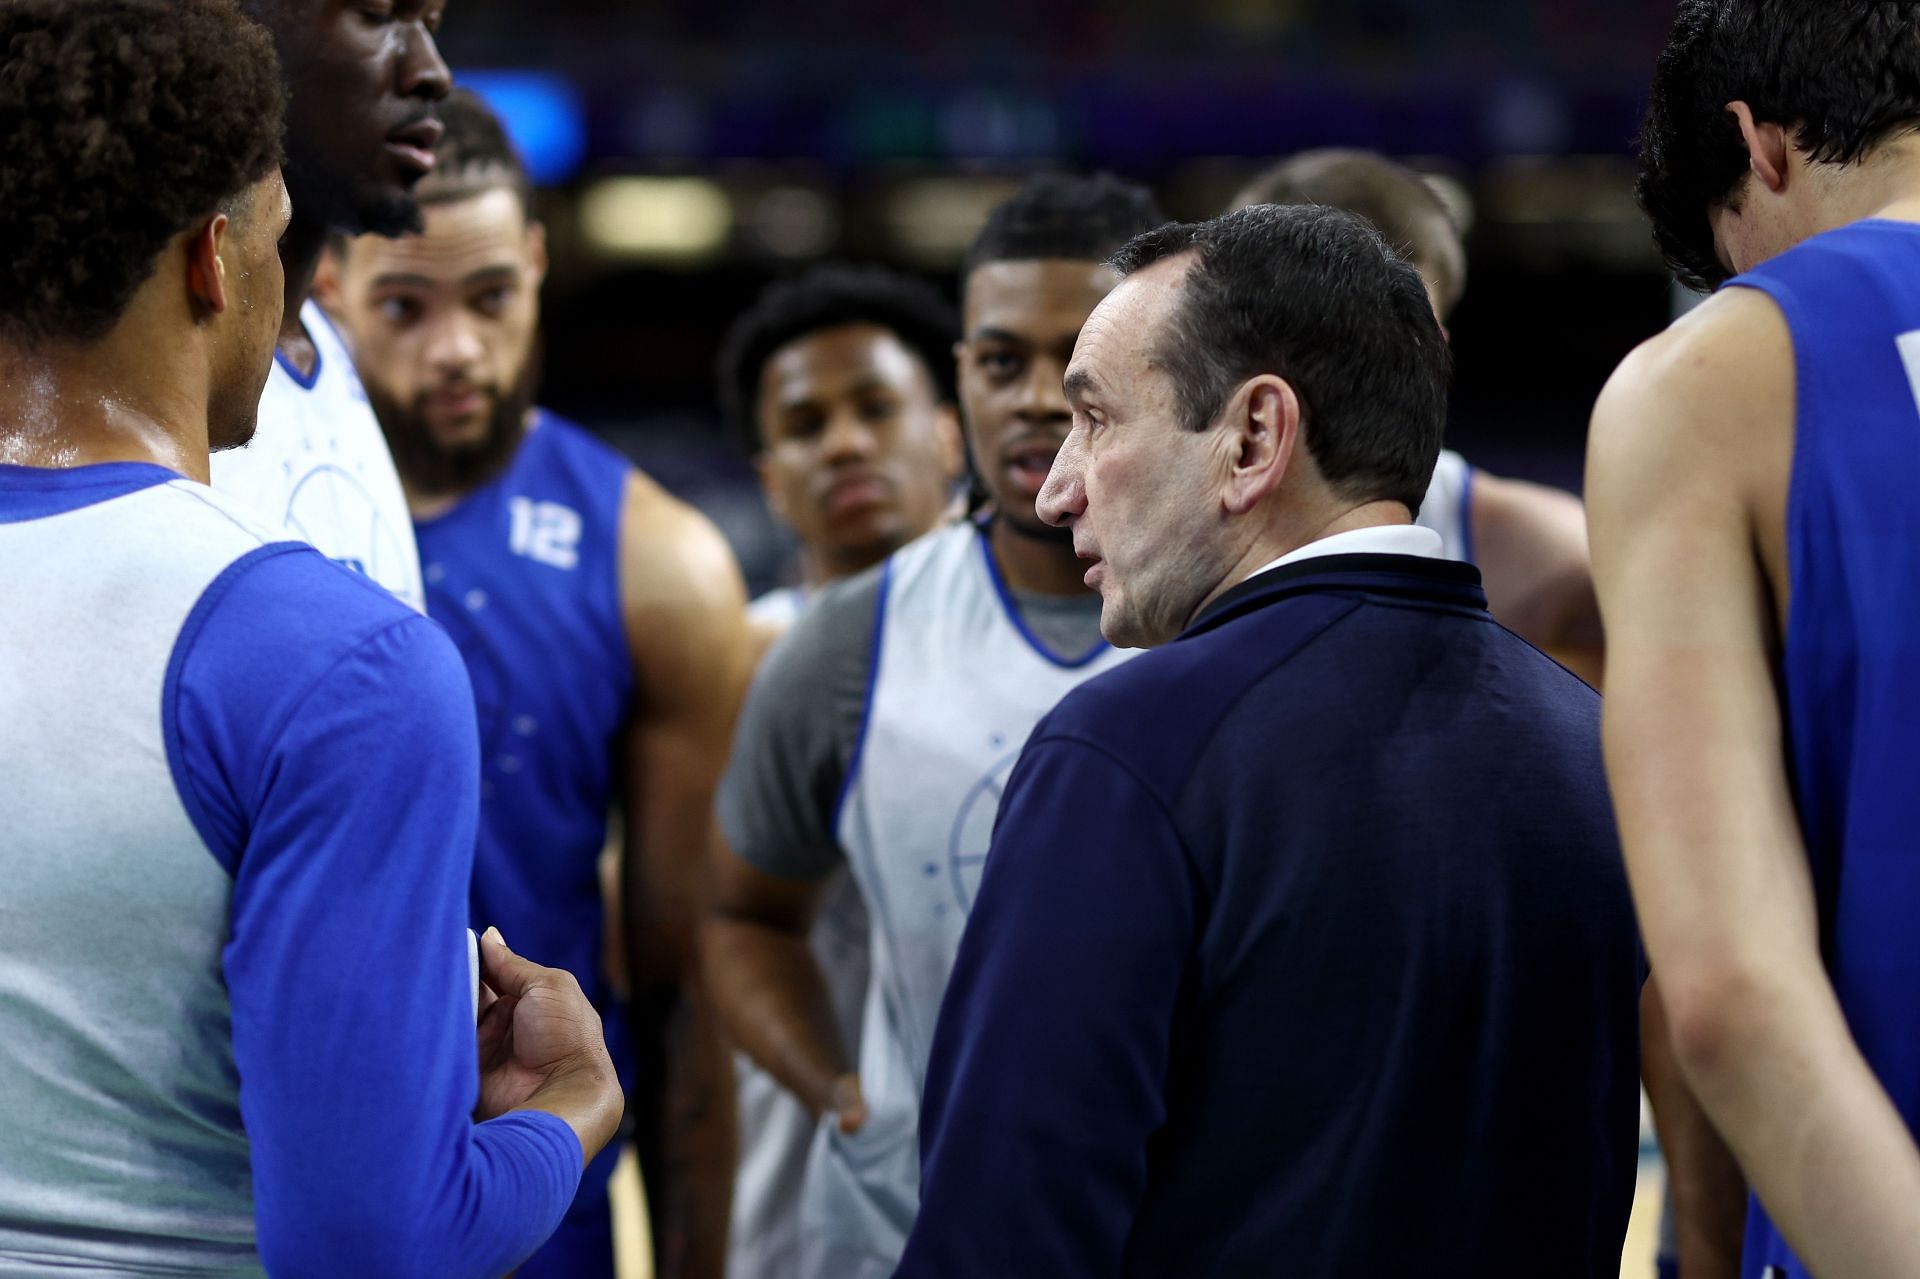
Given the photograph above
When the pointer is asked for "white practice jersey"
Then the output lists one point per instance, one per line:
(319, 468)
(1447, 508)
(957, 686)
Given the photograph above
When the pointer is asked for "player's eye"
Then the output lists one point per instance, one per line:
(802, 424)
(1001, 365)
(399, 311)
(879, 409)
(492, 302)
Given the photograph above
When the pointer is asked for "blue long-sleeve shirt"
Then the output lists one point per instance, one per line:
(235, 1003)
(1304, 947)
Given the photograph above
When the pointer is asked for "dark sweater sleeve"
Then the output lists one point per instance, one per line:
(1050, 1061)
(324, 740)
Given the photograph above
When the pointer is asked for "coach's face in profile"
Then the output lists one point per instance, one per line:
(1153, 503)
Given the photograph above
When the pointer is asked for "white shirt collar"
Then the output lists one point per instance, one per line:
(1378, 539)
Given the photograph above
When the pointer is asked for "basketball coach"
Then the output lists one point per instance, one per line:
(1304, 944)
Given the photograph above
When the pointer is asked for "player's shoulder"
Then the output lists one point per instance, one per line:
(836, 627)
(578, 443)
(1705, 384)
(285, 606)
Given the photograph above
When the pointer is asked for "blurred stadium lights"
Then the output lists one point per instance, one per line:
(544, 114)
(932, 220)
(793, 221)
(681, 221)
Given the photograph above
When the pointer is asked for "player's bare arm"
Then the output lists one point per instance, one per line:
(1531, 542)
(1686, 490)
(684, 605)
(1709, 1192)
(768, 985)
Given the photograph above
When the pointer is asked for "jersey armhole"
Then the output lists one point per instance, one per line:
(866, 707)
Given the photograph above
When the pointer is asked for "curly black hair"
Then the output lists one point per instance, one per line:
(826, 297)
(1843, 75)
(1058, 215)
(123, 120)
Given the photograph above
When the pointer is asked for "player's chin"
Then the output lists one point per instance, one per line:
(872, 533)
(386, 205)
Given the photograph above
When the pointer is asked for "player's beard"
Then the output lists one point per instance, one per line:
(430, 468)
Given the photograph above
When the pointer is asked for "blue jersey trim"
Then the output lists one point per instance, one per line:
(1012, 610)
(39, 492)
(866, 709)
(1466, 516)
(305, 381)
(176, 747)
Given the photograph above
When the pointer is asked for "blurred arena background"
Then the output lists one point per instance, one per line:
(690, 151)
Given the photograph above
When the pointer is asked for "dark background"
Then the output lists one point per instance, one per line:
(771, 133)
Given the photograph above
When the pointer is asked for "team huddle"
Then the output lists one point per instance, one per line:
(1169, 827)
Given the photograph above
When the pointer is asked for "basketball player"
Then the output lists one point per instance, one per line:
(602, 624)
(1750, 488)
(236, 1002)
(844, 382)
(880, 730)
(360, 134)
(1529, 540)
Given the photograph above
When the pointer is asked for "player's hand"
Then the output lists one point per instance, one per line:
(541, 1047)
(847, 1105)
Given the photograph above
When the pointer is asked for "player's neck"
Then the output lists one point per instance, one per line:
(300, 251)
(1884, 185)
(67, 407)
(1039, 565)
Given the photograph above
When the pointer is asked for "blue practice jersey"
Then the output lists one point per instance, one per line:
(524, 574)
(236, 1019)
(1851, 298)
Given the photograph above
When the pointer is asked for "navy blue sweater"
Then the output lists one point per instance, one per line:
(1304, 948)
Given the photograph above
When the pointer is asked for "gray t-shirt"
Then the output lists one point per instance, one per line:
(802, 721)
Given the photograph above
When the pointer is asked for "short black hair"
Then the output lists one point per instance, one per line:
(1317, 296)
(124, 121)
(1398, 201)
(827, 297)
(1059, 215)
(474, 155)
(1842, 75)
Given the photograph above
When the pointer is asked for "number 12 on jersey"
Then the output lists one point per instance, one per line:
(545, 531)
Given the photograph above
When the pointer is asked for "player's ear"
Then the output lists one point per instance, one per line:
(1767, 146)
(326, 277)
(536, 253)
(776, 498)
(206, 272)
(953, 452)
(1261, 426)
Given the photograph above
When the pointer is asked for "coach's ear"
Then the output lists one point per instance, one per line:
(1262, 428)
(1767, 147)
(206, 273)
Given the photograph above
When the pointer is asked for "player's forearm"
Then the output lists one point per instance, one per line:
(773, 1002)
(1709, 1191)
(1770, 1058)
(683, 1131)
